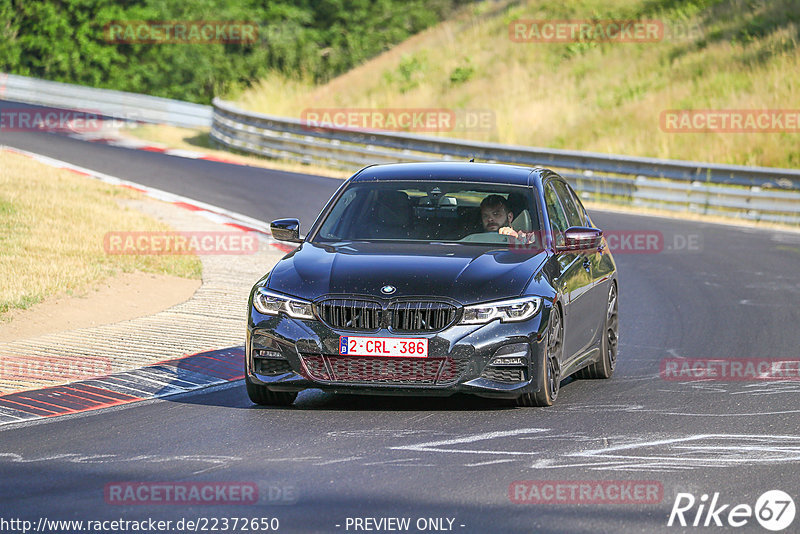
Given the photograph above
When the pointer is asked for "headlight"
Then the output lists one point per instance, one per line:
(269, 303)
(506, 310)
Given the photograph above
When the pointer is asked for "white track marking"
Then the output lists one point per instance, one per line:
(436, 446)
(490, 462)
(684, 453)
(339, 460)
(395, 461)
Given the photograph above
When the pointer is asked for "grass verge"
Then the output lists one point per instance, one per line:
(587, 95)
(52, 224)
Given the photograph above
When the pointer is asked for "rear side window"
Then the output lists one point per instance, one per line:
(558, 219)
(581, 209)
(575, 216)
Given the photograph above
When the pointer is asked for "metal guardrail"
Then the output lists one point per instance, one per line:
(756, 193)
(116, 104)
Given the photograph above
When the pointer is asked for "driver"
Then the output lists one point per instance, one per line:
(496, 216)
(495, 213)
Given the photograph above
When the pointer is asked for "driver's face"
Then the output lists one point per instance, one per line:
(494, 218)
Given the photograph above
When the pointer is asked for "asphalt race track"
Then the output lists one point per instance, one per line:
(449, 464)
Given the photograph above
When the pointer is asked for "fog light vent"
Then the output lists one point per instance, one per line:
(511, 355)
(503, 360)
(273, 354)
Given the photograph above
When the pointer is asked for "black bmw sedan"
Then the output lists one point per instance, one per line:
(437, 278)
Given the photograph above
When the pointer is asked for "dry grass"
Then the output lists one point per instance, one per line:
(52, 224)
(604, 97)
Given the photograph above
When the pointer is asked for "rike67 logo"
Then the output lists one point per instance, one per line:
(774, 510)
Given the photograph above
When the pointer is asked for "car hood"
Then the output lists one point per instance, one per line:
(467, 273)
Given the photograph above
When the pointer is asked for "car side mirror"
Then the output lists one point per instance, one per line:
(286, 230)
(581, 238)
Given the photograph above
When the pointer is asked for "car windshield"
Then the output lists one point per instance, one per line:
(429, 211)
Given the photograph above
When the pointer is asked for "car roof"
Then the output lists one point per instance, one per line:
(453, 171)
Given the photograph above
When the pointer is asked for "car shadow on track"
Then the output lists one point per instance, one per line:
(318, 400)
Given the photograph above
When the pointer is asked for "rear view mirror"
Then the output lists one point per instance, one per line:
(286, 230)
(581, 238)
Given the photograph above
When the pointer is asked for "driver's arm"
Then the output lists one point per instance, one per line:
(525, 237)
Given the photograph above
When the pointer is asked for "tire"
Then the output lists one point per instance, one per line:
(608, 344)
(549, 375)
(264, 396)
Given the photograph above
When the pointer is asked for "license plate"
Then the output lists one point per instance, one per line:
(393, 347)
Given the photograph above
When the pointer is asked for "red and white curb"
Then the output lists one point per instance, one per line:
(136, 144)
(209, 211)
(106, 131)
(170, 377)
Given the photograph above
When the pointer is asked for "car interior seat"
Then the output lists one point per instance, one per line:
(522, 221)
(389, 217)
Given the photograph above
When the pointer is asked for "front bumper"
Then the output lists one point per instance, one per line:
(287, 354)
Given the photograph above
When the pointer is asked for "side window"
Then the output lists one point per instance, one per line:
(581, 210)
(573, 214)
(334, 223)
(558, 220)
